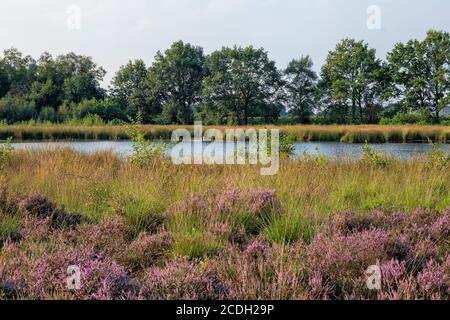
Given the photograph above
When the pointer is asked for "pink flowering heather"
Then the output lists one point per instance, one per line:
(392, 273)
(440, 228)
(181, 279)
(147, 250)
(258, 271)
(241, 210)
(35, 229)
(419, 223)
(231, 200)
(43, 273)
(341, 260)
(224, 230)
(111, 236)
(402, 243)
(434, 280)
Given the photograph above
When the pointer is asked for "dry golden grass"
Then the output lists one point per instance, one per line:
(338, 133)
(102, 184)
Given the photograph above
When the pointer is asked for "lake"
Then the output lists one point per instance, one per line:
(331, 150)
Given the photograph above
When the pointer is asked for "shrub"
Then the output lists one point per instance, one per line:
(43, 273)
(16, 109)
(6, 150)
(437, 157)
(423, 117)
(376, 159)
(110, 237)
(402, 244)
(339, 261)
(258, 271)
(144, 151)
(63, 219)
(249, 211)
(37, 205)
(48, 114)
(434, 280)
(147, 250)
(181, 279)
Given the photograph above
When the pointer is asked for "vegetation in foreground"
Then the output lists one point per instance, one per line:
(331, 133)
(152, 230)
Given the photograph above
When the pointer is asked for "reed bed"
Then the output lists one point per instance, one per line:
(314, 133)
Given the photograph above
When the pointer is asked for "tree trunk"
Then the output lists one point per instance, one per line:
(353, 108)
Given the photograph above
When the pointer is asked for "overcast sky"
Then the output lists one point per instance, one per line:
(115, 31)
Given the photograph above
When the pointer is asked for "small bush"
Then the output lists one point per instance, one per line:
(6, 150)
(145, 151)
(181, 279)
(111, 236)
(37, 205)
(376, 159)
(437, 157)
(147, 250)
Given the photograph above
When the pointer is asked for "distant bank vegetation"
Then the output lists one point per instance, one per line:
(331, 133)
(234, 86)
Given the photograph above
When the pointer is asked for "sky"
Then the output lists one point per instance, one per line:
(113, 32)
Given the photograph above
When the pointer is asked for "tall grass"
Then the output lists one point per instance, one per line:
(222, 232)
(332, 133)
(103, 184)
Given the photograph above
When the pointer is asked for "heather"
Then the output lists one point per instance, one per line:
(161, 231)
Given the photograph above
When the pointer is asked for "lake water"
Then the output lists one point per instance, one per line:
(330, 150)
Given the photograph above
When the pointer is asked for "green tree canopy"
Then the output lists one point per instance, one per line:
(18, 72)
(129, 90)
(421, 72)
(350, 79)
(69, 77)
(174, 82)
(241, 83)
(301, 83)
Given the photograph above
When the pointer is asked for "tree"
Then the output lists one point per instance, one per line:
(82, 77)
(69, 77)
(437, 56)
(301, 84)
(18, 72)
(350, 77)
(129, 90)
(174, 82)
(14, 108)
(4, 81)
(241, 83)
(421, 72)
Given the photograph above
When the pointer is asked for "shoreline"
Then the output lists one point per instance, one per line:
(298, 133)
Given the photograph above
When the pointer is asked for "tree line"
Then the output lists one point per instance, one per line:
(238, 85)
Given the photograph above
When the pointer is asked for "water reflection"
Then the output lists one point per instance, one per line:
(330, 150)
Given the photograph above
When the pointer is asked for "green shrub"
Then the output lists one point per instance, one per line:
(377, 159)
(422, 116)
(6, 150)
(437, 157)
(16, 109)
(144, 151)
